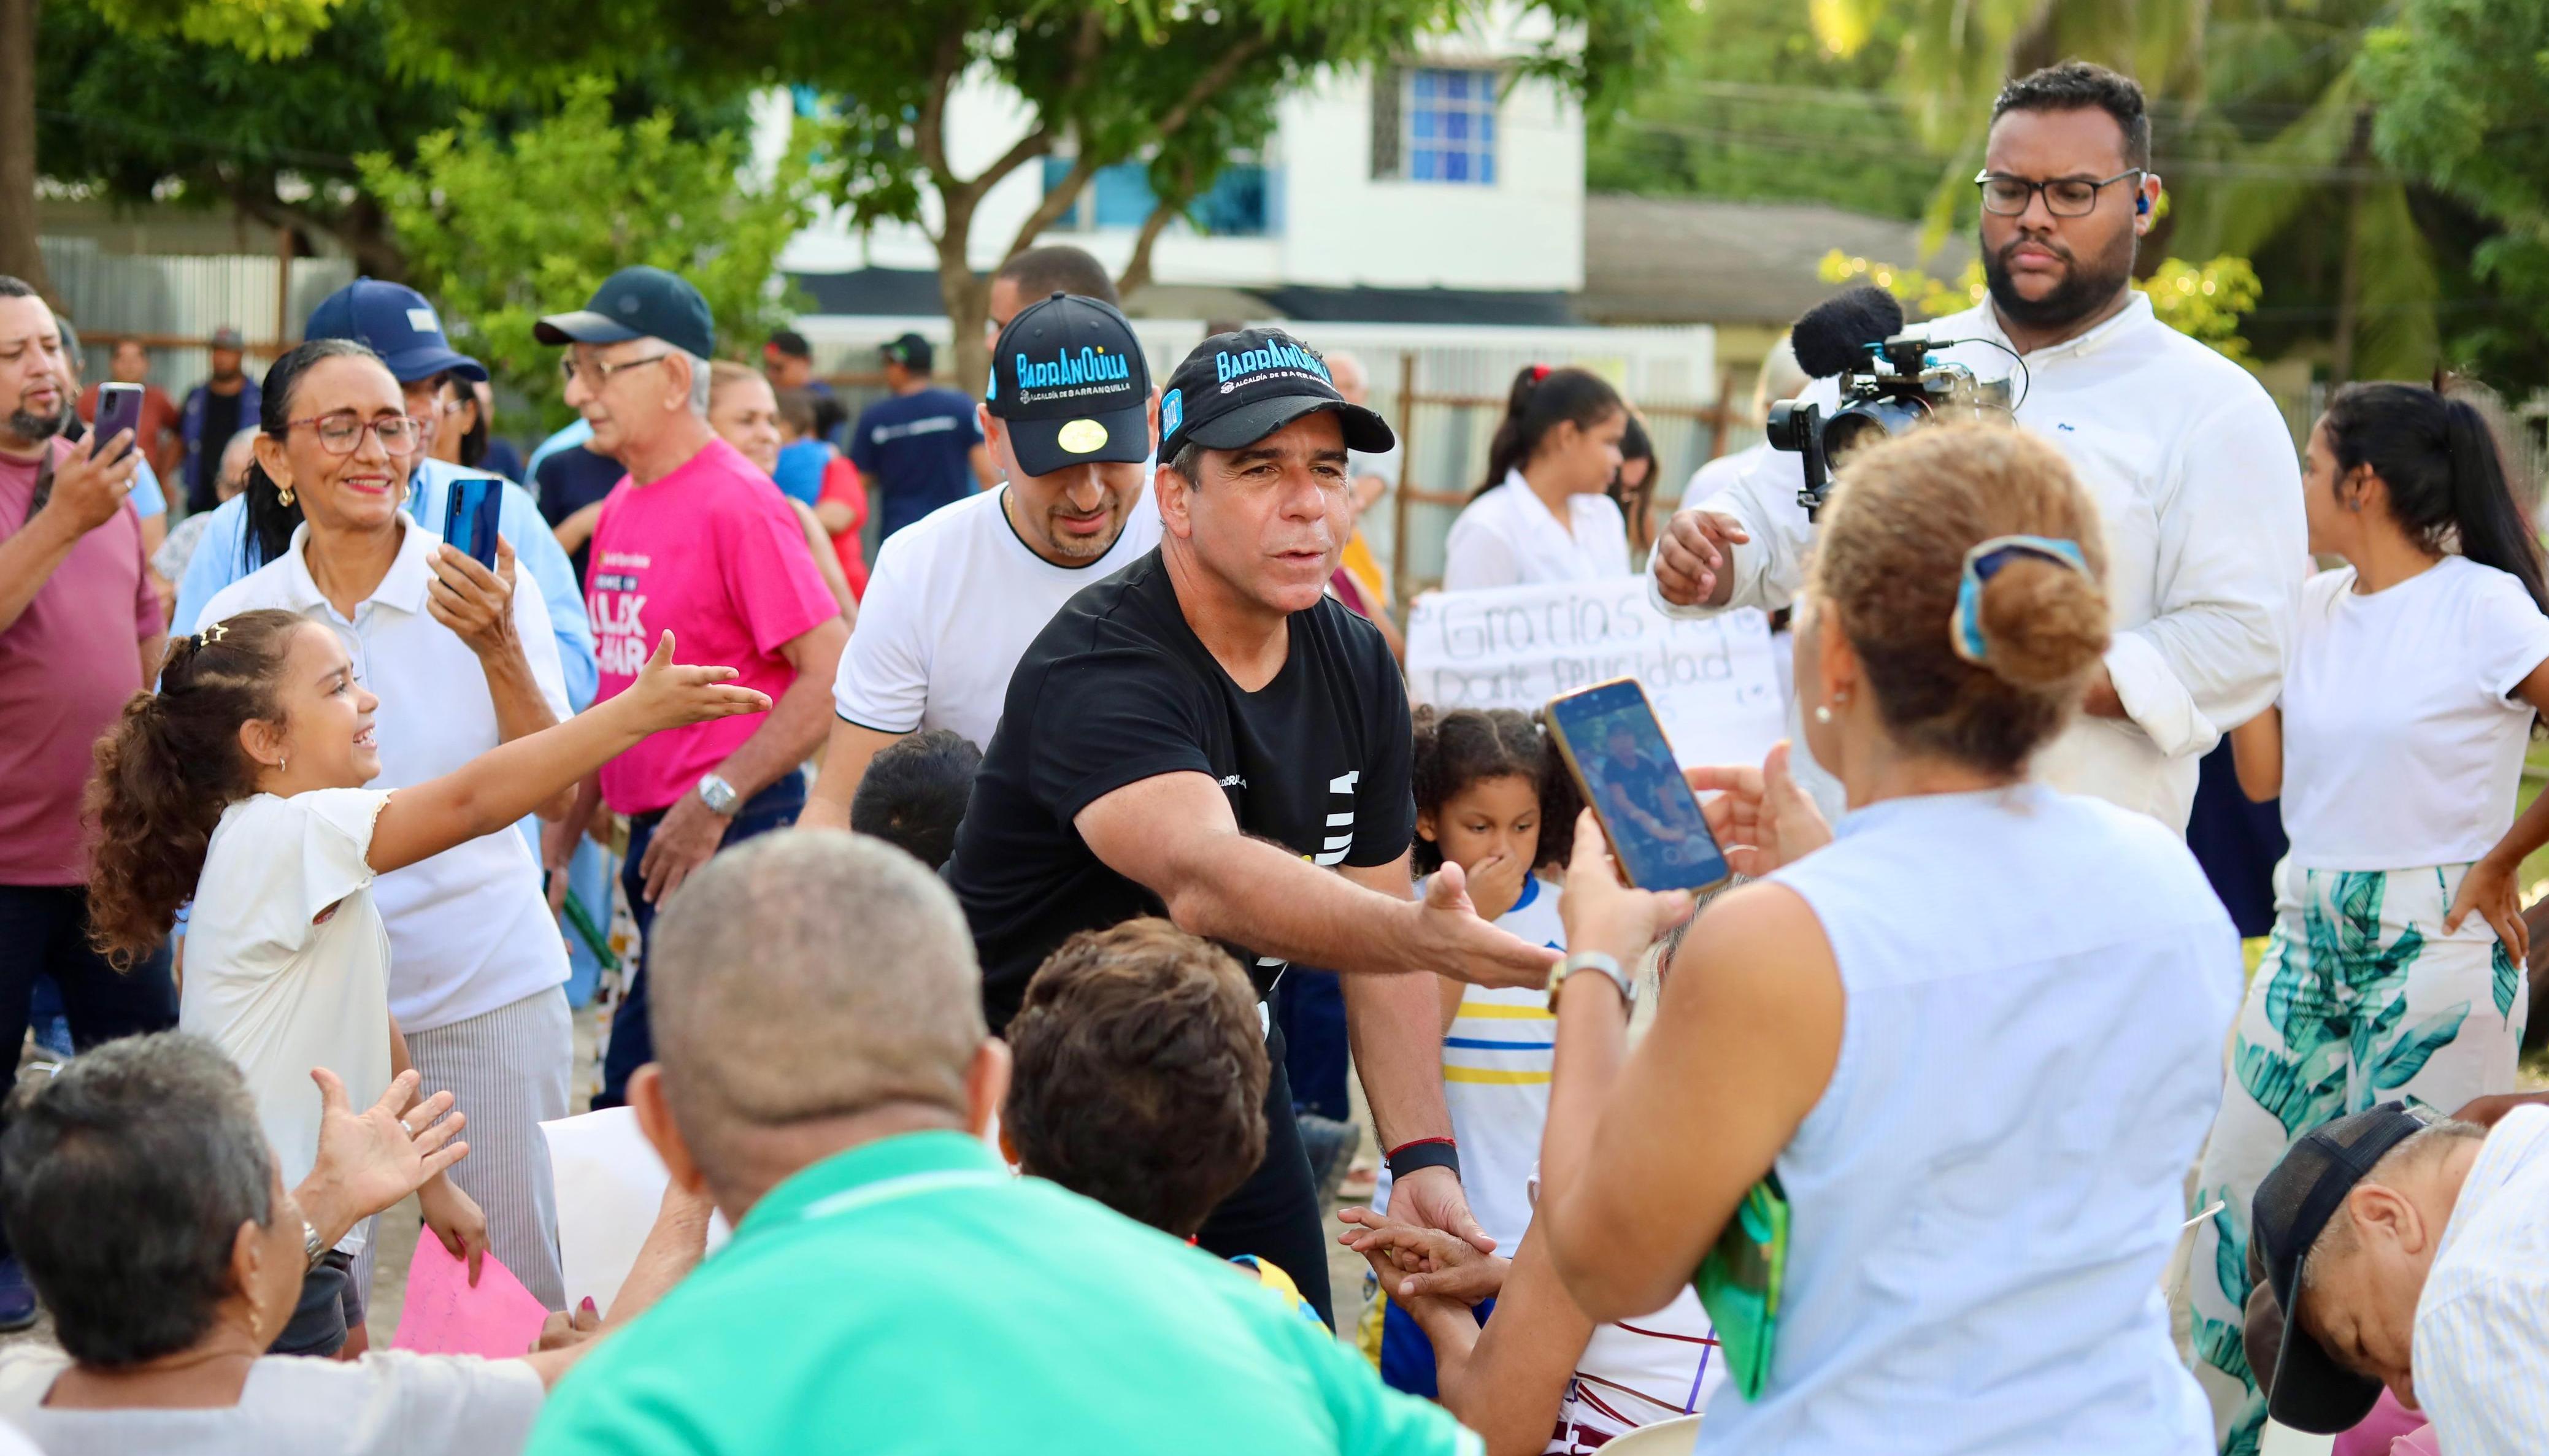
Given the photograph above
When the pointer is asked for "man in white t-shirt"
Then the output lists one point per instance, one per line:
(2193, 466)
(958, 595)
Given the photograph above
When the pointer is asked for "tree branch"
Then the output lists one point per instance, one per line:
(1056, 202)
(1167, 210)
(929, 135)
(1206, 85)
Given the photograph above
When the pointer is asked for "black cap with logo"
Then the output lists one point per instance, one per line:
(912, 351)
(2307, 1388)
(637, 303)
(1069, 377)
(1236, 389)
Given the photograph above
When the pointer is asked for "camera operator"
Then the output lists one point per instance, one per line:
(2190, 463)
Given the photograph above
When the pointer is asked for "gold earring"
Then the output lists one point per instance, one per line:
(283, 494)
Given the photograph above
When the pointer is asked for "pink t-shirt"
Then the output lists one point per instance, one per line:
(67, 665)
(714, 553)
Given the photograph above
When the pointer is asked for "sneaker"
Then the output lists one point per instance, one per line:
(17, 1296)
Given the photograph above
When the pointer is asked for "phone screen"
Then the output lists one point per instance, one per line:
(1627, 771)
(119, 408)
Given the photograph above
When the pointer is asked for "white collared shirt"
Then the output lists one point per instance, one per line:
(2198, 484)
(469, 929)
(1509, 537)
(2481, 1352)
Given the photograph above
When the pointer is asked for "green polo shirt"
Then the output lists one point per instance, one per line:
(911, 1296)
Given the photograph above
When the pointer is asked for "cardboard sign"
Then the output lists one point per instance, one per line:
(1711, 678)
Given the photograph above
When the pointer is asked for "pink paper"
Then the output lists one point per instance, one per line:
(444, 1315)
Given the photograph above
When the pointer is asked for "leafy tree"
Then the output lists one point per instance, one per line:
(504, 228)
(2205, 302)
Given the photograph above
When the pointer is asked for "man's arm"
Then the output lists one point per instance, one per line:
(2233, 548)
(845, 761)
(691, 831)
(1745, 546)
(1173, 833)
(85, 496)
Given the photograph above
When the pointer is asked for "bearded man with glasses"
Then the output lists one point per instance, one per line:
(694, 542)
(2194, 468)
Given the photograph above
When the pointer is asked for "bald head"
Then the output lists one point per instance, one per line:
(808, 977)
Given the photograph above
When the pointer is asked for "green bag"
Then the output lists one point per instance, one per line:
(1740, 1280)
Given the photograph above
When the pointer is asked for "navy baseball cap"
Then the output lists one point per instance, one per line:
(1069, 377)
(637, 303)
(394, 322)
(1236, 389)
(912, 351)
(2307, 1388)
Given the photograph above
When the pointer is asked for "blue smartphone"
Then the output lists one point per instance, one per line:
(469, 517)
(1612, 744)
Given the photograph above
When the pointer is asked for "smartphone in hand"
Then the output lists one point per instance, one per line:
(1611, 742)
(119, 408)
(469, 517)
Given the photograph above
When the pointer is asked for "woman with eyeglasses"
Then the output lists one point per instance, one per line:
(462, 660)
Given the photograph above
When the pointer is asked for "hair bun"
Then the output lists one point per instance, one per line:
(2045, 623)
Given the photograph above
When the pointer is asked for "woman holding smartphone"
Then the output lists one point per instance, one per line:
(461, 663)
(1969, 1038)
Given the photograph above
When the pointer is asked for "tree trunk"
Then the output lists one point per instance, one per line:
(2349, 274)
(968, 299)
(19, 255)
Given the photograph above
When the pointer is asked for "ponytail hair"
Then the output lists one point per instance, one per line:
(1541, 399)
(2437, 456)
(270, 520)
(167, 770)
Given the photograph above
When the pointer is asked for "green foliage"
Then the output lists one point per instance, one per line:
(263, 30)
(2203, 301)
(503, 229)
(1769, 100)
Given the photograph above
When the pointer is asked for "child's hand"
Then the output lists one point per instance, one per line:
(455, 1218)
(1416, 1262)
(669, 696)
(1495, 884)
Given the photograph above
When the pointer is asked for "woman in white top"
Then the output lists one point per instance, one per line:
(2411, 683)
(1974, 1032)
(461, 662)
(1544, 513)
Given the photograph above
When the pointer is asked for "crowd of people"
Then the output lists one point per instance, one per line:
(1027, 832)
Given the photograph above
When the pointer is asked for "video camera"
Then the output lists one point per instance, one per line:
(1890, 381)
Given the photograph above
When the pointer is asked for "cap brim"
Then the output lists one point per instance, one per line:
(426, 361)
(1038, 442)
(582, 326)
(1251, 422)
(2312, 1392)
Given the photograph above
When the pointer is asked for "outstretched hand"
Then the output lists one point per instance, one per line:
(371, 1160)
(669, 695)
(1450, 938)
(1693, 556)
(1762, 817)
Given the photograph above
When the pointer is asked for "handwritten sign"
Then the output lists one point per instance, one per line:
(1711, 678)
(444, 1315)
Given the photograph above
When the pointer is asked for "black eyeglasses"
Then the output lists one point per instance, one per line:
(2005, 195)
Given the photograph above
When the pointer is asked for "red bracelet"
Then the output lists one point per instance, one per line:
(1425, 1152)
(1421, 1141)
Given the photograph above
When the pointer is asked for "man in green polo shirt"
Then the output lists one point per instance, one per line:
(823, 1070)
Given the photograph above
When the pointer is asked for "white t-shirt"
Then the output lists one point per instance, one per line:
(1657, 1367)
(470, 931)
(954, 602)
(2400, 746)
(287, 963)
(1509, 537)
(1496, 1061)
(389, 1403)
(2481, 1335)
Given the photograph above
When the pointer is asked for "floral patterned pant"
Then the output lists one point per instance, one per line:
(2360, 999)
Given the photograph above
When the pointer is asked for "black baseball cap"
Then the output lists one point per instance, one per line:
(1238, 388)
(912, 351)
(637, 303)
(2307, 1389)
(1069, 377)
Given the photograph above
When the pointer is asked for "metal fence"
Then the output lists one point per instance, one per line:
(173, 303)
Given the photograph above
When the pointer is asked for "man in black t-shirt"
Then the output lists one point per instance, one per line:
(1199, 734)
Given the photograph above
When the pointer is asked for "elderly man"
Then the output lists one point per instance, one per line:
(956, 598)
(2414, 1254)
(694, 542)
(1203, 735)
(80, 633)
(2191, 464)
(827, 1078)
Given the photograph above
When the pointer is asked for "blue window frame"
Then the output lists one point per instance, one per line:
(1452, 126)
(1244, 200)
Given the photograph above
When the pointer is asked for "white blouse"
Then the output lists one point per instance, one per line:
(1508, 537)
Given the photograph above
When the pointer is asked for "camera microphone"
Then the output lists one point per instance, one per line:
(1833, 335)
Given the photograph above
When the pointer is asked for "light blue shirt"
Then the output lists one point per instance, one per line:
(217, 563)
(566, 439)
(147, 497)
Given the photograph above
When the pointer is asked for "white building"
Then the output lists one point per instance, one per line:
(1445, 172)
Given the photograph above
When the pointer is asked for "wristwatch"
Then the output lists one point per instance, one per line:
(1592, 961)
(719, 795)
(310, 1247)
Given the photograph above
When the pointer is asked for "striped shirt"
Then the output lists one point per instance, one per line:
(1496, 1060)
(2482, 1340)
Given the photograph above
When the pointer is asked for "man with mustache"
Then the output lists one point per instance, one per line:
(2193, 466)
(1203, 735)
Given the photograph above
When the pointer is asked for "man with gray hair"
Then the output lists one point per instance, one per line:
(827, 1078)
(2412, 1254)
(697, 543)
